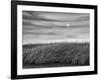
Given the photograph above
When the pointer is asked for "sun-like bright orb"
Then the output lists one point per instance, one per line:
(68, 25)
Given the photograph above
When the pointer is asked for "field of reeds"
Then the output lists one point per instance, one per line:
(55, 54)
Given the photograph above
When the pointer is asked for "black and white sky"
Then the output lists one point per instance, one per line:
(41, 26)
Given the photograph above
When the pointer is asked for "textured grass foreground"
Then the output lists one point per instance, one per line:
(56, 53)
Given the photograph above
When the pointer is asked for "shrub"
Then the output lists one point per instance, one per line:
(62, 53)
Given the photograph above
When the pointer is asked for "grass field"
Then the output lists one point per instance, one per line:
(55, 55)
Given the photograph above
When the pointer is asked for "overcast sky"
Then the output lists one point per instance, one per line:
(39, 26)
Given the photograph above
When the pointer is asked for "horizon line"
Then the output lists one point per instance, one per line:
(58, 41)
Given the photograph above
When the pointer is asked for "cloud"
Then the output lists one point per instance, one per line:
(42, 26)
(51, 24)
(71, 36)
(53, 16)
(83, 18)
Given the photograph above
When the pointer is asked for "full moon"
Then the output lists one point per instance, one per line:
(68, 25)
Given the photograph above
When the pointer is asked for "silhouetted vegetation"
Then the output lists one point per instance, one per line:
(56, 53)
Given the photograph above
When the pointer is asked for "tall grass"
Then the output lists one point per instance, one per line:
(52, 53)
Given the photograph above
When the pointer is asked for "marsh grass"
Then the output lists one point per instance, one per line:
(48, 55)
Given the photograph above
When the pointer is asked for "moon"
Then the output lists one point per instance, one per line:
(68, 25)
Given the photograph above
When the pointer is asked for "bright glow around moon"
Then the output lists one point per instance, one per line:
(68, 25)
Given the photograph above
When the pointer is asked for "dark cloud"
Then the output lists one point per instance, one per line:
(54, 16)
(71, 36)
(83, 18)
(40, 33)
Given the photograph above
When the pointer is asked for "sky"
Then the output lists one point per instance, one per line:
(42, 27)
